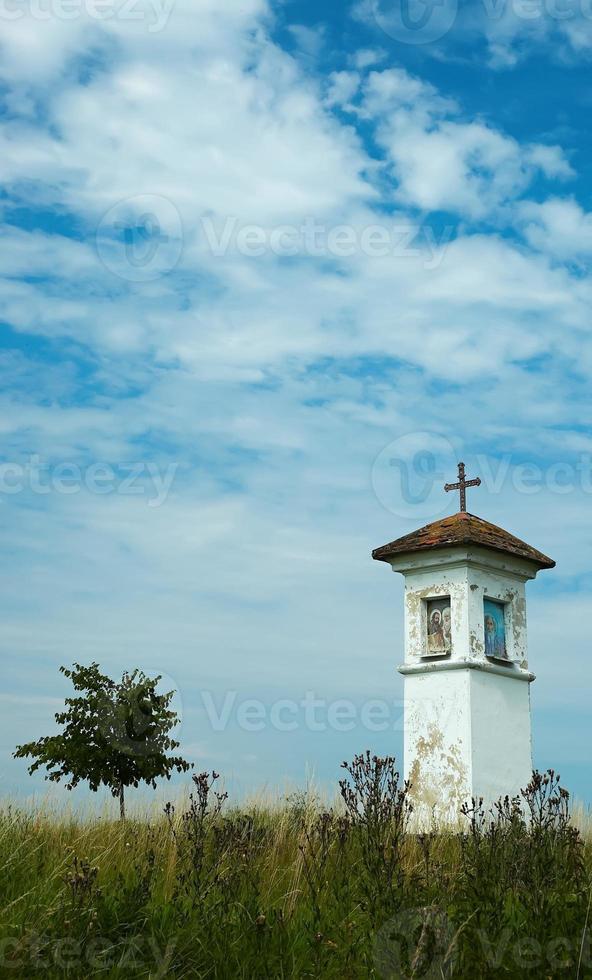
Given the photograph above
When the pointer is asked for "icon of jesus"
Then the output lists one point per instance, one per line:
(439, 638)
(435, 633)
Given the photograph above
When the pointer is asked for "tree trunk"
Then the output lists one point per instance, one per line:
(122, 801)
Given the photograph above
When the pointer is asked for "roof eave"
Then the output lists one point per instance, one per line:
(383, 554)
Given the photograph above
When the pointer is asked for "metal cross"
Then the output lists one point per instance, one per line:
(462, 486)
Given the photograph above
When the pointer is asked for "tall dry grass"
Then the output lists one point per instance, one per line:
(293, 889)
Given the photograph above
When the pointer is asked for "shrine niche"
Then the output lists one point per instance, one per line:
(494, 620)
(439, 638)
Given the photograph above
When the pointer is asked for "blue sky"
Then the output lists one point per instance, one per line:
(252, 253)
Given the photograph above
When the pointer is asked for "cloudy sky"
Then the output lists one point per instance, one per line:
(267, 271)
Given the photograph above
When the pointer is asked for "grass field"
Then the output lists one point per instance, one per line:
(295, 890)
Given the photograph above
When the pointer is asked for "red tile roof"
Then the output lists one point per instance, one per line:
(462, 528)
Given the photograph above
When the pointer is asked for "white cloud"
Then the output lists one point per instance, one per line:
(342, 87)
(368, 57)
(39, 45)
(551, 160)
(558, 226)
(310, 40)
(443, 163)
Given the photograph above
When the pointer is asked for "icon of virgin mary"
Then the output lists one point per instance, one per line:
(494, 644)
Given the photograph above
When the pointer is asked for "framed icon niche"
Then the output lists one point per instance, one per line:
(495, 628)
(438, 625)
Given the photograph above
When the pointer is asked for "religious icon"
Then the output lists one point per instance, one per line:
(495, 630)
(439, 627)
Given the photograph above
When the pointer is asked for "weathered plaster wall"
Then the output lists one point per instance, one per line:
(496, 585)
(438, 744)
(467, 734)
(420, 586)
(501, 754)
(468, 584)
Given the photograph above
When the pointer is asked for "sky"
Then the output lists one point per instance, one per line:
(268, 270)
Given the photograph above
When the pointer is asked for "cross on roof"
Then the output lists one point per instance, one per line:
(462, 486)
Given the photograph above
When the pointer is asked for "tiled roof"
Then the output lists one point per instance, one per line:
(462, 528)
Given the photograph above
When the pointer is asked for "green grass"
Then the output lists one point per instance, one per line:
(292, 890)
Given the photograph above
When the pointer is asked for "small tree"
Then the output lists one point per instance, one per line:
(114, 734)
